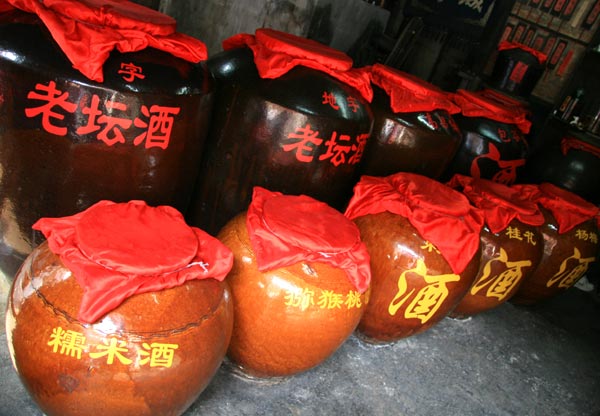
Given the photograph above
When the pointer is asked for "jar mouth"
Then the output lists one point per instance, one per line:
(110, 323)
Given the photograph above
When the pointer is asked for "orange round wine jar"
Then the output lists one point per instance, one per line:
(123, 311)
(511, 243)
(423, 241)
(570, 234)
(299, 283)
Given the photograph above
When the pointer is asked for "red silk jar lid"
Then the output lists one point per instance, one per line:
(118, 250)
(287, 229)
(5, 7)
(276, 53)
(88, 30)
(439, 213)
(475, 104)
(506, 45)
(499, 204)
(409, 93)
(568, 209)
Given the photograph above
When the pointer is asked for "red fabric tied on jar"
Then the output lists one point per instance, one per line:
(439, 213)
(117, 250)
(499, 204)
(409, 94)
(474, 104)
(5, 7)
(569, 210)
(506, 45)
(286, 229)
(88, 30)
(276, 53)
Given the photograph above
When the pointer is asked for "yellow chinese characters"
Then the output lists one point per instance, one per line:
(428, 300)
(566, 277)
(157, 354)
(514, 233)
(325, 299)
(111, 350)
(585, 235)
(70, 342)
(499, 285)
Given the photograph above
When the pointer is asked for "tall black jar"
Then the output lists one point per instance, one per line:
(291, 115)
(68, 141)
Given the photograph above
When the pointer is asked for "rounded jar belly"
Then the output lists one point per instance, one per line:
(507, 259)
(290, 319)
(279, 134)
(412, 286)
(489, 150)
(565, 260)
(152, 355)
(422, 143)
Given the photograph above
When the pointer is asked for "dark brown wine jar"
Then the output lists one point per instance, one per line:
(152, 353)
(297, 125)
(423, 239)
(413, 130)
(571, 161)
(511, 243)
(570, 234)
(494, 146)
(134, 129)
(300, 283)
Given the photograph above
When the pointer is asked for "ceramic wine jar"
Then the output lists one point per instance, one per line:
(494, 146)
(80, 125)
(291, 115)
(299, 283)
(123, 311)
(423, 239)
(570, 234)
(413, 128)
(518, 68)
(511, 243)
(570, 161)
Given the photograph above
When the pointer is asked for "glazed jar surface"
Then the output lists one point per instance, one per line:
(566, 258)
(301, 133)
(516, 71)
(507, 259)
(490, 150)
(413, 287)
(418, 142)
(289, 319)
(67, 142)
(571, 162)
(152, 355)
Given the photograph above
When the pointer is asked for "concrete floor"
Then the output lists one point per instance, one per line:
(542, 360)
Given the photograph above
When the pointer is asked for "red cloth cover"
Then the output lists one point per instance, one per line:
(408, 93)
(568, 143)
(88, 30)
(499, 204)
(118, 250)
(474, 104)
(506, 45)
(439, 213)
(568, 209)
(286, 229)
(5, 7)
(276, 53)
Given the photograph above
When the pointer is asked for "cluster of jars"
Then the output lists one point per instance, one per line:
(162, 210)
